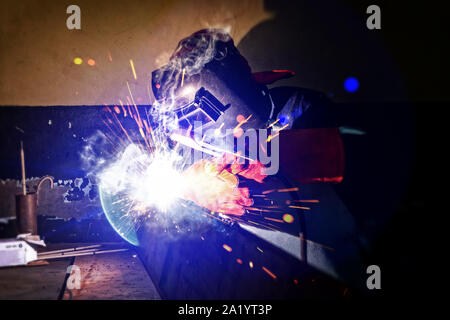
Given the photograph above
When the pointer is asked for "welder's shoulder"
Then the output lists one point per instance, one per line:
(316, 108)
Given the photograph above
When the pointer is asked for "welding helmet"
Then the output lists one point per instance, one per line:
(208, 80)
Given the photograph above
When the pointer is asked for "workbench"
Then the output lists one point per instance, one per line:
(110, 276)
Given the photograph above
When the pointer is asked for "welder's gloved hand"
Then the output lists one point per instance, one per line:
(212, 186)
(232, 163)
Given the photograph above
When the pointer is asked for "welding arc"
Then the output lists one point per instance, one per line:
(78, 253)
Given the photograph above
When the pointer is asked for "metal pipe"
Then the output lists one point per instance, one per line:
(38, 188)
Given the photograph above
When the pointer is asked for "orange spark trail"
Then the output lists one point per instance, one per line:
(242, 122)
(270, 273)
(138, 119)
(283, 127)
(296, 207)
(273, 123)
(263, 225)
(288, 189)
(276, 220)
(272, 137)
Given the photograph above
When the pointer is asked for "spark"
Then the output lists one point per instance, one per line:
(297, 207)
(259, 249)
(270, 273)
(227, 247)
(271, 137)
(132, 68)
(217, 131)
(288, 190)
(276, 220)
(288, 218)
(283, 127)
(271, 125)
(263, 225)
(250, 264)
(262, 148)
(242, 122)
(182, 77)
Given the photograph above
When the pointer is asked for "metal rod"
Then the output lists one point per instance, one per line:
(68, 254)
(70, 249)
(22, 161)
(75, 254)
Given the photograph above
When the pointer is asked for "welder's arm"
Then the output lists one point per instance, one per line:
(214, 184)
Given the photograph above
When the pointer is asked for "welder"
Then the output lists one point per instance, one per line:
(311, 149)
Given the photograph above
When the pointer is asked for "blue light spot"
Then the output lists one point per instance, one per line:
(351, 84)
(283, 120)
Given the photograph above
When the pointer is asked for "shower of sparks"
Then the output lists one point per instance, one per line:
(132, 68)
(151, 146)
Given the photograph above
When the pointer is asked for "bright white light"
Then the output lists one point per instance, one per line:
(187, 91)
(147, 180)
(161, 183)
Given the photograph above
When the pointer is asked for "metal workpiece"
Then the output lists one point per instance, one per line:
(207, 257)
(26, 208)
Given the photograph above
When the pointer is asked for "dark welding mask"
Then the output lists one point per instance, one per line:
(207, 80)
